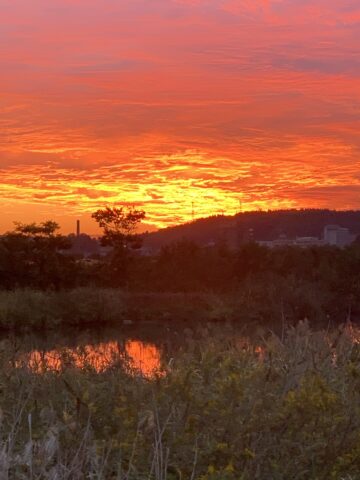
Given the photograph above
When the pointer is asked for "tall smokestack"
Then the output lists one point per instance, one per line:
(77, 228)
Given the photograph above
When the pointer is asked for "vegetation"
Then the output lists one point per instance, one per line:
(220, 410)
(270, 301)
(31, 255)
(285, 406)
(119, 225)
(25, 310)
(249, 284)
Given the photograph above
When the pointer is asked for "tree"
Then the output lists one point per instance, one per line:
(252, 259)
(119, 226)
(42, 230)
(32, 255)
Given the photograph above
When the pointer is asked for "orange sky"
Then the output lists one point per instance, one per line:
(163, 103)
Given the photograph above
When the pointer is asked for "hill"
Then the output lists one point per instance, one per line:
(265, 225)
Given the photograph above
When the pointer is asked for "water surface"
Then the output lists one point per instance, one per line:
(141, 350)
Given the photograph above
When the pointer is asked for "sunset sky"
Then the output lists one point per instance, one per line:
(161, 103)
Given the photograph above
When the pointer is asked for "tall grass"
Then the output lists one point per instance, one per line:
(225, 410)
(32, 309)
(265, 303)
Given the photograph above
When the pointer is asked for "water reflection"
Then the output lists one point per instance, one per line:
(143, 351)
(144, 358)
(135, 356)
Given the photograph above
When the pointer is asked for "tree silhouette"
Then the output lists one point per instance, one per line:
(119, 225)
(33, 254)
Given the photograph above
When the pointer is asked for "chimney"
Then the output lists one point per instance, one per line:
(77, 228)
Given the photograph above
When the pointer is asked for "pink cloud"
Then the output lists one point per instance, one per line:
(153, 101)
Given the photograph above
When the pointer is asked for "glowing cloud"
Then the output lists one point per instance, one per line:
(169, 102)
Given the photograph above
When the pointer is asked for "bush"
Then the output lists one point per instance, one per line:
(224, 409)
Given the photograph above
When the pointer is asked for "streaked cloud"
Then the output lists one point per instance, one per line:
(170, 102)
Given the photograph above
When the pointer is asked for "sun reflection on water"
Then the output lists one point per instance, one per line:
(135, 356)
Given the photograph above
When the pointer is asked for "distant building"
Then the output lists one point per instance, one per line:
(338, 236)
(333, 235)
(308, 242)
(283, 241)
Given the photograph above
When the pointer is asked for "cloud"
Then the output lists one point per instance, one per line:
(166, 103)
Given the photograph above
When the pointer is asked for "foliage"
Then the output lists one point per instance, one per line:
(118, 224)
(223, 410)
(26, 310)
(253, 283)
(31, 256)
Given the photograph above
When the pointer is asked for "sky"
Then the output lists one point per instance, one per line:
(171, 106)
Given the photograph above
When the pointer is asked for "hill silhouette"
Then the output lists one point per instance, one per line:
(264, 225)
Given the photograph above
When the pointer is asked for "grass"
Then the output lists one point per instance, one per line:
(256, 302)
(32, 309)
(225, 410)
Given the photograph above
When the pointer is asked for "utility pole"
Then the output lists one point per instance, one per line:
(192, 211)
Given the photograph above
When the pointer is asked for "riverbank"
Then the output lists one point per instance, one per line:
(220, 410)
(260, 303)
(27, 310)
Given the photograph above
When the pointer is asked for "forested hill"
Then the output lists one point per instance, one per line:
(266, 225)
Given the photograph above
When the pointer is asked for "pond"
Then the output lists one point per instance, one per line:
(140, 350)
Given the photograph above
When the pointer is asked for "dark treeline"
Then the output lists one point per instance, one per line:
(288, 282)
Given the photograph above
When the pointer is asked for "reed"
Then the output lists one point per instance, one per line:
(26, 310)
(285, 407)
(269, 302)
